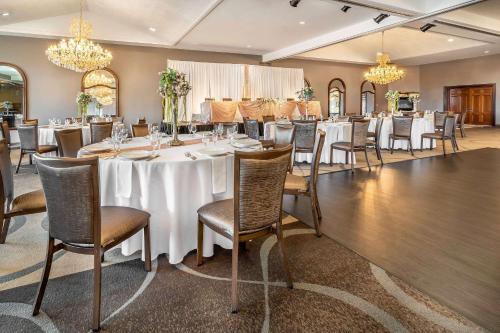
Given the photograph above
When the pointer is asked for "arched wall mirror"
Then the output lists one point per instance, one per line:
(336, 97)
(368, 97)
(13, 94)
(103, 85)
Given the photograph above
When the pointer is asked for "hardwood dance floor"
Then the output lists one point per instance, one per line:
(433, 222)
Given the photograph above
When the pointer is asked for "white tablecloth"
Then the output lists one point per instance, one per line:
(171, 188)
(335, 132)
(420, 126)
(46, 135)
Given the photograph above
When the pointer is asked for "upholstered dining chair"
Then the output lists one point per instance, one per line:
(79, 222)
(359, 142)
(140, 130)
(266, 119)
(251, 128)
(356, 117)
(100, 131)
(305, 135)
(299, 185)
(69, 141)
(448, 133)
(401, 130)
(24, 204)
(30, 122)
(439, 118)
(6, 132)
(28, 135)
(254, 211)
(374, 139)
(284, 134)
(461, 122)
(344, 119)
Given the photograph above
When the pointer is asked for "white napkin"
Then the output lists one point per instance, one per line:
(123, 180)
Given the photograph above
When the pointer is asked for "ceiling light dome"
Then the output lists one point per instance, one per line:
(79, 53)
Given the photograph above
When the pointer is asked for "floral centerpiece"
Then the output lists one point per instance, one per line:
(415, 99)
(305, 94)
(7, 105)
(392, 97)
(83, 100)
(173, 86)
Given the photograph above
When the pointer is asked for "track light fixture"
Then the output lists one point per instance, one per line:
(294, 3)
(345, 9)
(427, 26)
(380, 18)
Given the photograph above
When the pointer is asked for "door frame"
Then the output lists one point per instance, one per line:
(447, 89)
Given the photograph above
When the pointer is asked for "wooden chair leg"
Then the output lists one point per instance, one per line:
(422, 144)
(20, 160)
(432, 144)
(367, 160)
(347, 157)
(317, 207)
(380, 155)
(147, 248)
(315, 216)
(331, 156)
(444, 147)
(4, 230)
(199, 250)
(411, 147)
(456, 143)
(281, 245)
(392, 145)
(45, 277)
(31, 158)
(462, 131)
(96, 315)
(452, 140)
(234, 276)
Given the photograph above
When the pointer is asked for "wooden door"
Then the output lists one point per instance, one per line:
(458, 100)
(478, 100)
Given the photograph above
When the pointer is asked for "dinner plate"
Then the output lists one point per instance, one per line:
(95, 149)
(243, 143)
(239, 136)
(213, 151)
(134, 155)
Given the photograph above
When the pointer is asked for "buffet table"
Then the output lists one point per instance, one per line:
(212, 111)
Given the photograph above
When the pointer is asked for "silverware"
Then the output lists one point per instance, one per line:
(152, 157)
(189, 155)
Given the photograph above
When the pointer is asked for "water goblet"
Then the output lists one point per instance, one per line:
(206, 138)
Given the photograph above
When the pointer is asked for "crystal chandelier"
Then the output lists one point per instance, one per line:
(385, 72)
(79, 53)
(101, 87)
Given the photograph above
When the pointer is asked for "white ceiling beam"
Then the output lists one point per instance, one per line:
(361, 29)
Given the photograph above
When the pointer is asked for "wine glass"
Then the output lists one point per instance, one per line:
(220, 129)
(206, 138)
(192, 129)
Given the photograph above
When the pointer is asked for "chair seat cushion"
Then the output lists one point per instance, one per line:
(28, 203)
(371, 134)
(391, 135)
(433, 135)
(296, 183)
(46, 148)
(341, 145)
(117, 222)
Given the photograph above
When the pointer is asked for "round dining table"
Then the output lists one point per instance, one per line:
(46, 134)
(419, 127)
(171, 187)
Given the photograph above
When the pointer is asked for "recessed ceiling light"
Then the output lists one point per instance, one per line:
(5, 14)
(486, 52)
(302, 22)
(249, 46)
(152, 29)
(451, 40)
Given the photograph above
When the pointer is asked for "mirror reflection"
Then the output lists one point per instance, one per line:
(336, 97)
(367, 97)
(12, 94)
(102, 84)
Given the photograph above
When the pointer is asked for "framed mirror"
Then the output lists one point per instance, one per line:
(102, 84)
(367, 97)
(13, 94)
(336, 97)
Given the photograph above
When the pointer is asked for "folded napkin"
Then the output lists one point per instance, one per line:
(244, 143)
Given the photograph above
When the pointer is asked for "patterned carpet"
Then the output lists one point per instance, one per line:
(335, 290)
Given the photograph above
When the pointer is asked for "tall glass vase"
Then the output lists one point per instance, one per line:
(175, 113)
(83, 114)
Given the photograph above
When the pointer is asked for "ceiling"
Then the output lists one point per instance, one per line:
(315, 29)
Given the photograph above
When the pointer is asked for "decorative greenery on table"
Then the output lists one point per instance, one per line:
(83, 100)
(305, 94)
(392, 97)
(7, 105)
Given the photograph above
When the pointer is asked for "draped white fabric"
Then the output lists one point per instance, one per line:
(212, 80)
(274, 82)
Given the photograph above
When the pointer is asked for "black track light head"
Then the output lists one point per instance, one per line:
(294, 3)
(345, 9)
(380, 18)
(427, 26)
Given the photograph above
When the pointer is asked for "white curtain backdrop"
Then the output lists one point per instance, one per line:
(212, 80)
(274, 82)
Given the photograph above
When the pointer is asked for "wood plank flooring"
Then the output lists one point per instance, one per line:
(433, 222)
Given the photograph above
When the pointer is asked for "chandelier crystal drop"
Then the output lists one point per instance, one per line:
(385, 72)
(79, 53)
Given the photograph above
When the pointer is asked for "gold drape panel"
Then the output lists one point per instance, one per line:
(223, 111)
(287, 109)
(313, 108)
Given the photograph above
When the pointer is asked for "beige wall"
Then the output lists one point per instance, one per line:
(434, 77)
(52, 90)
(411, 81)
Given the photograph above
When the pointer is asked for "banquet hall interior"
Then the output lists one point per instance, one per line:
(250, 166)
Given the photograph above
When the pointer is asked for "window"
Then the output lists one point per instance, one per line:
(336, 97)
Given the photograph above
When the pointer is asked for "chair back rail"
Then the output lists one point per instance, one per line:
(28, 135)
(69, 141)
(100, 131)
(140, 130)
(305, 134)
(401, 126)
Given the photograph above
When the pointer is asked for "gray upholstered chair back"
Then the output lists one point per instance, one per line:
(463, 115)
(69, 141)
(284, 134)
(100, 131)
(343, 118)
(6, 132)
(439, 118)
(318, 149)
(356, 117)
(359, 133)
(401, 126)
(28, 135)
(378, 128)
(259, 179)
(305, 133)
(252, 128)
(449, 126)
(140, 130)
(227, 126)
(6, 170)
(71, 187)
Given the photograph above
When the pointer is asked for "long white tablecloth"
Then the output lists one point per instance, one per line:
(171, 188)
(420, 126)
